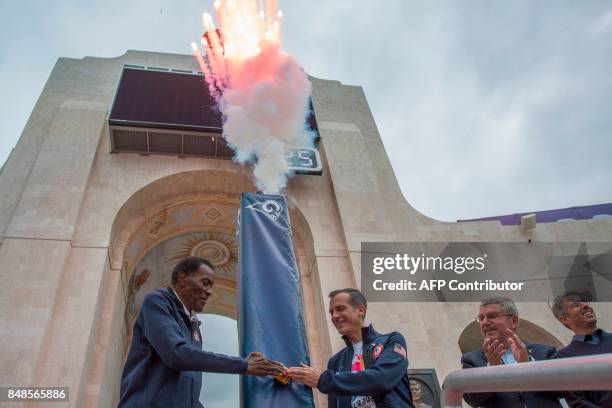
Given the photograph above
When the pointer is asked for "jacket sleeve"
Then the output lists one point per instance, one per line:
(384, 374)
(475, 399)
(164, 334)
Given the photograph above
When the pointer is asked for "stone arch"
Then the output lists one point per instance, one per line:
(471, 339)
(187, 204)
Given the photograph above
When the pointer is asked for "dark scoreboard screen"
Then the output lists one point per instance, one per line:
(166, 111)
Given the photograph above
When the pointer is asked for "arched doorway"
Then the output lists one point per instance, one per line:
(180, 215)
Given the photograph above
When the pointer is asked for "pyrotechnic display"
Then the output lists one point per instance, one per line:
(262, 92)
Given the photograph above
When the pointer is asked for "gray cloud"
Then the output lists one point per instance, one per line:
(492, 107)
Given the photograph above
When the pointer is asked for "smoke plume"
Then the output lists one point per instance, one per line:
(262, 92)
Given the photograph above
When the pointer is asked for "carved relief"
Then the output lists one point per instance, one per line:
(128, 225)
(212, 214)
(159, 223)
(219, 248)
(136, 281)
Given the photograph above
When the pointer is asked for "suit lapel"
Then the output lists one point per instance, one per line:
(483, 357)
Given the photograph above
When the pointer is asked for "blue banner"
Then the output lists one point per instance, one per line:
(270, 318)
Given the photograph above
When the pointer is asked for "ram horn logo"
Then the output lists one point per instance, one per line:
(270, 208)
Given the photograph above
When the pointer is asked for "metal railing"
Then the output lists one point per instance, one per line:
(575, 373)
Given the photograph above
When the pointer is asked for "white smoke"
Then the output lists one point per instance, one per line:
(265, 110)
(261, 91)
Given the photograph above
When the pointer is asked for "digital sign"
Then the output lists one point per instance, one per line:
(305, 161)
(163, 111)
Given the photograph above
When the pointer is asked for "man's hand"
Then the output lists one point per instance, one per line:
(259, 365)
(494, 350)
(519, 350)
(305, 375)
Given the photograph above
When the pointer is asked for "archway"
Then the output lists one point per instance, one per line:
(180, 215)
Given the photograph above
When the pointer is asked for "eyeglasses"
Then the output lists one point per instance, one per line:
(491, 316)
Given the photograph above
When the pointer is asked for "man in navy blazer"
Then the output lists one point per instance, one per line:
(165, 362)
(498, 319)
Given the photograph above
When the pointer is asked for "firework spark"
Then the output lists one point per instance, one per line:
(261, 91)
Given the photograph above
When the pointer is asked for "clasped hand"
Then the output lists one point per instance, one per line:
(305, 375)
(261, 366)
(495, 349)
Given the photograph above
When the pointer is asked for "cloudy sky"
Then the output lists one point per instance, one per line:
(485, 107)
(219, 334)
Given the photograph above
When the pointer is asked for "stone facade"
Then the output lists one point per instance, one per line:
(78, 226)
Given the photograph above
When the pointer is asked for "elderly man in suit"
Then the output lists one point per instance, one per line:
(165, 363)
(498, 319)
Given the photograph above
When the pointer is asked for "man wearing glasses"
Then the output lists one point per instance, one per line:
(578, 316)
(498, 319)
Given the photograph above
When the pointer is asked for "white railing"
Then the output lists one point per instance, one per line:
(576, 373)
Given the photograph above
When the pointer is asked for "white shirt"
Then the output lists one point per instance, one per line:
(358, 365)
(181, 300)
(192, 317)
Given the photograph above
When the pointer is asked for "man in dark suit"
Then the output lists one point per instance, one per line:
(498, 319)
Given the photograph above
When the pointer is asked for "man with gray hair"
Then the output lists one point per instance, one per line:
(498, 319)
